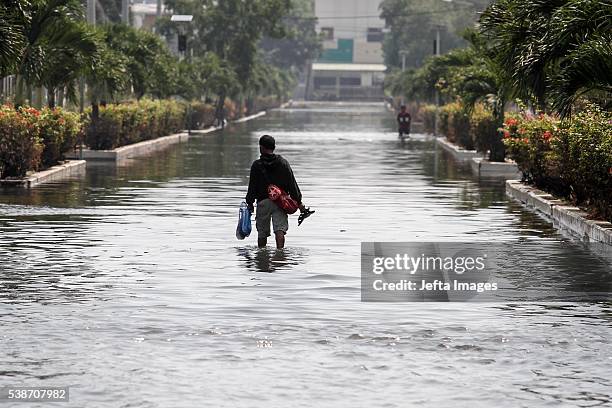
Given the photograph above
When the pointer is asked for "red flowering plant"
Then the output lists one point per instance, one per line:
(59, 131)
(20, 144)
(528, 142)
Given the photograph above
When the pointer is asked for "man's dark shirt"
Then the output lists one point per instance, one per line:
(278, 172)
(404, 119)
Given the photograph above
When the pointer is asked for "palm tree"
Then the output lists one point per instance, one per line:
(580, 44)
(485, 81)
(57, 45)
(11, 36)
(552, 50)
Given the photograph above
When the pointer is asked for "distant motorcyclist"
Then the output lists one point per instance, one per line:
(403, 120)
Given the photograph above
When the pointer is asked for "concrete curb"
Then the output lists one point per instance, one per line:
(132, 150)
(241, 120)
(284, 105)
(62, 171)
(204, 131)
(567, 216)
(484, 168)
(457, 152)
(251, 117)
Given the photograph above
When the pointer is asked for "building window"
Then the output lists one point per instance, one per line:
(327, 33)
(350, 81)
(375, 35)
(320, 82)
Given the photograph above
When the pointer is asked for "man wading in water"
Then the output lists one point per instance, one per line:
(271, 169)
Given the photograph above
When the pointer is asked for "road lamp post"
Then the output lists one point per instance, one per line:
(403, 54)
(437, 53)
(184, 18)
(91, 19)
(125, 12)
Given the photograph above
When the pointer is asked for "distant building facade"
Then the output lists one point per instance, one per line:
(351, 64)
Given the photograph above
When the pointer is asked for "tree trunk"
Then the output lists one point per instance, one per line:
(20, 92)
(51, 98)
(498, 149)
(219, 112)
(60, 97)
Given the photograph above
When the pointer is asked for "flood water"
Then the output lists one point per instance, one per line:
(129, 286)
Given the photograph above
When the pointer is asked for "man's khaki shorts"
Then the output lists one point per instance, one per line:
(266, 210)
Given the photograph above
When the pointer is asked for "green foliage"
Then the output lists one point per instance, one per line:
(412, 25)
(528, 142)
(59, 133)
(224, 38)
(570, 158)
(554, 52)
(202, 115)
(32, 138)
(428, 113)
(301, 42)
(132, 122)
(459, 127)
(484, 133)
(54, 47)
(20, 144)
(12, 39)
(444, 122)
(150, 66)
(106, 73)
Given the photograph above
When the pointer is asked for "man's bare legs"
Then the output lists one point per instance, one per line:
(261, 242)
(280, 240)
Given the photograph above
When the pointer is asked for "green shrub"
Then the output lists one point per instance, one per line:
(459, 127)
(582, 153)
(262, 103)
(428, 115)
(20, 143)
(202, 115)
(571, 159)
(132, 122)
(59, 131)
(485, 134)
(444, 121)
(231, 109)
(527, 139)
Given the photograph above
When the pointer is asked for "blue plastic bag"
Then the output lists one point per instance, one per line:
(243, 229)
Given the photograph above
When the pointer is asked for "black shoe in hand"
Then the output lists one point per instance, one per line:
(304, 214)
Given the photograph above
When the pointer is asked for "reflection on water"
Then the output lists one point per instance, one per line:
(270, 259)
(128, 284)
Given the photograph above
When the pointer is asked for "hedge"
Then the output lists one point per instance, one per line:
(571, 159)
(428, 113)
(261, 103)
(477, 129)
(132, 122)
(484, 133)
(32, 139)
(202, 115)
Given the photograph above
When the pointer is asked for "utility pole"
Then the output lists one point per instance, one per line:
(437, 53)
(125, 12)
(159, 9)
(91, 19)
(91, 12)
(403, 54)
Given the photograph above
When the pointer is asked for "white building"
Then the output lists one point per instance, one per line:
(351, 65)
